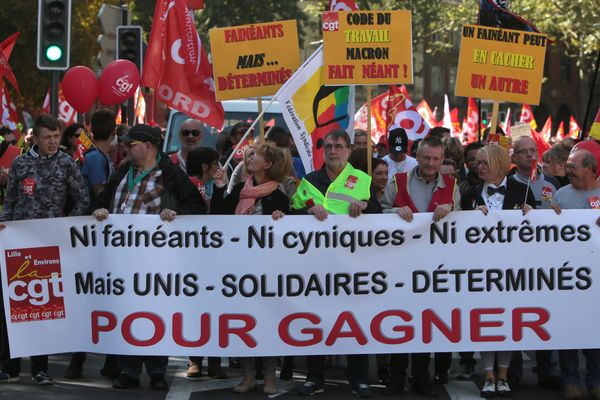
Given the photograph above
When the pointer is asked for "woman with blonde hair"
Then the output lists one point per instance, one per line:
(497, 192)
(259, 194)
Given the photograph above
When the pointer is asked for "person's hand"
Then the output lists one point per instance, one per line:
(220, 178)
(277, 214)
(2, 226)
(356, 208)
(101, 214)
(556, 208)
(526, 208)
(167, 215)
(319, 212)
(483, 209)
(441, 211)
(405, 213)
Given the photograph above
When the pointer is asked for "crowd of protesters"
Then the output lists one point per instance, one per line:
(126, 172)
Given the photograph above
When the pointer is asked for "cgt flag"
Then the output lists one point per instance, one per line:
(403, 114)
(342, 5)
(66, 112)
(378, 117)
(177, 66)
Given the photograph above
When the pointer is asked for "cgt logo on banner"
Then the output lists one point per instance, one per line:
(35, 285)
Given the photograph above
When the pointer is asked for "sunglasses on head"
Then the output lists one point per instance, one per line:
(188, 132)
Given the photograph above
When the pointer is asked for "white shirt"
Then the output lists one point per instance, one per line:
(495, 201)
(395, 167)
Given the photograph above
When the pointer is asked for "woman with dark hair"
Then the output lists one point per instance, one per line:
(267, 166)
(201, 167)
(69, 138)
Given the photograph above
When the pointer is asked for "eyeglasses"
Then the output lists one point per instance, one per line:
(337, 146)
(188, 132)
(572, 166)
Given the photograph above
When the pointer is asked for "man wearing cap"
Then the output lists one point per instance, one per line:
(190, 137)
(39, 184)
(398, 161)
(423, 189)
(148, 184)
(583, 193)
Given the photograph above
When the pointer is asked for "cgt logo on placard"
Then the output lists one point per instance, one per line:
(35, 286)
(330, 21)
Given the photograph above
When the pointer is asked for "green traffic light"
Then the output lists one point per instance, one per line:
(53, 53)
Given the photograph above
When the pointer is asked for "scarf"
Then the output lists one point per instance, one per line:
(250, 193)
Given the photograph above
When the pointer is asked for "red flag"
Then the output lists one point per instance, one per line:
(82, 144)
(533, 171)
(574, 128)
(526, 116)
(342, 5)
(456, 127)
(560, 133)
(473, 124)
(8, 111)
(65, 111)
(6, 48)
(195, 4)
(177, 67)
(541, 143)
(403, 114)
(425, 111)
(546, 131)
(378, 117)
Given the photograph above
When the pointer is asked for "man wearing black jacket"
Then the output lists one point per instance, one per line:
(149, 184)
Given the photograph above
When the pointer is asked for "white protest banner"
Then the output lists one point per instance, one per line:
(242, 286)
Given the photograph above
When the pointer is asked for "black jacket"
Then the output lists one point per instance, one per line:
(513, 199)
(180, 194)
(221, 203)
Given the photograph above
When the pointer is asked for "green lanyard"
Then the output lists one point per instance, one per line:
(131, 182)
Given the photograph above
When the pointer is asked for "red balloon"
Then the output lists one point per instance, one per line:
(118, 82)
(80, 88)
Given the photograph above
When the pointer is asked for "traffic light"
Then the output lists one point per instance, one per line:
(129, 45)
(54, 34)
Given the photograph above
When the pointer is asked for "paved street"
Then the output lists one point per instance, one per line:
(93, 386)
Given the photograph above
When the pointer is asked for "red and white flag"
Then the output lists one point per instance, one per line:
(9, 115)
(177, 66)
(473, 123)
(546, 132)
(378, 117)
(526, 116)
(6, 48)
(342, 5)
(560, 132)
(574, 128)
(65, 111)
(425, 111)
(403, 114)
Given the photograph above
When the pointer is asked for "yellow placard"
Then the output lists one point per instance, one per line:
(367, 47)
(501, 64)
(253, 60)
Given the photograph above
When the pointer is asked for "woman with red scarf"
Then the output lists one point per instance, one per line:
(267, 166)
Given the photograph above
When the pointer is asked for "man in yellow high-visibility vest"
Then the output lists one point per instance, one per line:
(337, 188)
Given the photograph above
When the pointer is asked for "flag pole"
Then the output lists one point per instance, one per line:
(224, 166)
(495, 111)
(261, 124)
(369, 141)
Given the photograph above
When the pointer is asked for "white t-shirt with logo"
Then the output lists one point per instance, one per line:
(395, 167)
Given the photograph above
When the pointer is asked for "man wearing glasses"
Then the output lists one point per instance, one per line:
(149, 184)
(190, 137)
